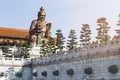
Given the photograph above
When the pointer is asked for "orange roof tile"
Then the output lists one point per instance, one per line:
(14, 33)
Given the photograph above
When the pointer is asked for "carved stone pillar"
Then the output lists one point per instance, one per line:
(38, 37)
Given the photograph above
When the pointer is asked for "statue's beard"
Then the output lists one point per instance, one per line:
(42, 19)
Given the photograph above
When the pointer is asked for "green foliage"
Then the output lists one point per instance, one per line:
(88, 70)
(113, 69)
(103, 29)
(25, 45)
(51, 46)
(43, 48)
(60, 40)
(5, 49)
(85, 35)
(72, 43)
(70, 72)
(118, 24)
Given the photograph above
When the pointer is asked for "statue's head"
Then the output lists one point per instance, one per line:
(41, 14)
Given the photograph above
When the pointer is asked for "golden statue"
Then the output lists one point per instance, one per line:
(39, 24)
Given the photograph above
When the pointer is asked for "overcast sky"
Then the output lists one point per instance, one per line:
(63, 14)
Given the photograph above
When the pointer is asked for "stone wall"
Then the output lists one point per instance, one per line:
(98, 59)
(99, 66)
(9, 67)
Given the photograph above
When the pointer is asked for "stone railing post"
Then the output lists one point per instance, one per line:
(13, 59)
(22, 60)
(3, 60)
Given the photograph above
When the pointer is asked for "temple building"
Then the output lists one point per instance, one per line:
(13, 36)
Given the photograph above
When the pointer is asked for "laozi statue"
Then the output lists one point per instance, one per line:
(39, 29)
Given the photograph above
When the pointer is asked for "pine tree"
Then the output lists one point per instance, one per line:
(60, 40)
(43, 48)
(118, 30)
(72, 43)
(85, 35)
(102, 36)
(51, 46)
(118, 20)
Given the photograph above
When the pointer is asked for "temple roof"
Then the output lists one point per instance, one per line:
(13, 33)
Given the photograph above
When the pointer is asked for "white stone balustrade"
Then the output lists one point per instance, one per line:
(6, 61)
